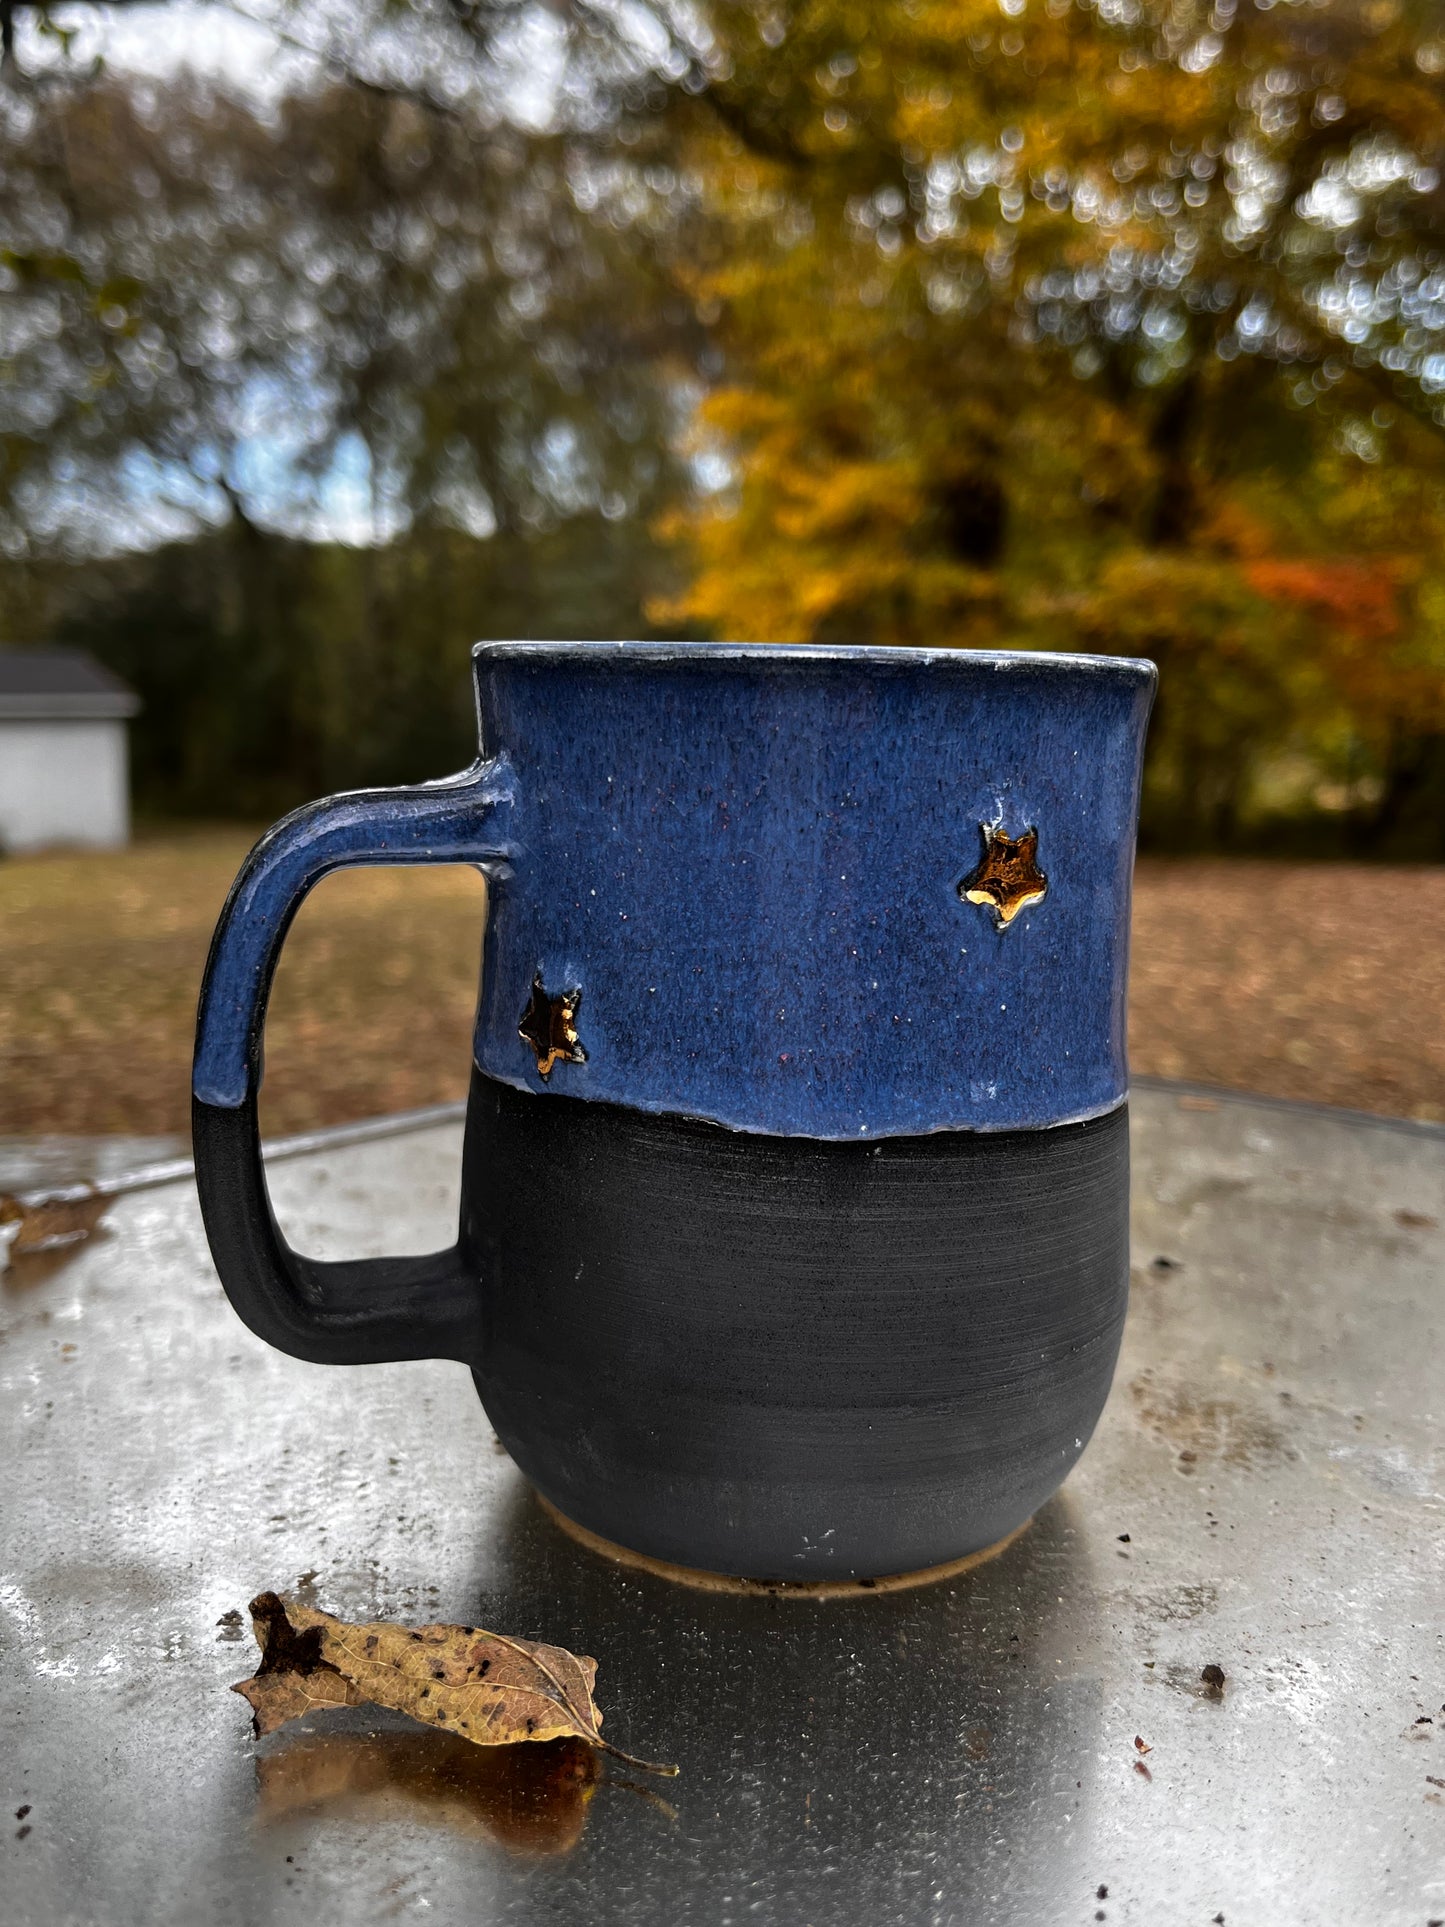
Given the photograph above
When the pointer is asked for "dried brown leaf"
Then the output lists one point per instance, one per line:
(45, 1224)
(484, 1687)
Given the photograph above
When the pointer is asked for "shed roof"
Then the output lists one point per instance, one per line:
(50, 685)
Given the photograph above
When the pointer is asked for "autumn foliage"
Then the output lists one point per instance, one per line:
(1066, 324)
(1101, 326)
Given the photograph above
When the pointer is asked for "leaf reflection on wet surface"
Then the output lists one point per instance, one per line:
(529, 1799)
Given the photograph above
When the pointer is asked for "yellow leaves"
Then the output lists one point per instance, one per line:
(744, 412)
(1019, 283)
(841, 499)
(1142, 600)
(827, 531)
(483, 1687)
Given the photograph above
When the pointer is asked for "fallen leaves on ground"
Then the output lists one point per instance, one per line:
(484, 1687)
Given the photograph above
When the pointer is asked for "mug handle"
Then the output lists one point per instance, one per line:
(359, 1311)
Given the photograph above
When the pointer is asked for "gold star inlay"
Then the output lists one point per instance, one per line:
(549, 1025)
(1008, 877)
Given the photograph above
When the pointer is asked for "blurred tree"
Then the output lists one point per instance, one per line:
(1117, 325)
(378, 378)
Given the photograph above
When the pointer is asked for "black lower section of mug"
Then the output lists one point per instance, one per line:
(786, 1358)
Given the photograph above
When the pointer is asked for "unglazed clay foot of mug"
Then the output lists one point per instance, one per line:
(775, 1588)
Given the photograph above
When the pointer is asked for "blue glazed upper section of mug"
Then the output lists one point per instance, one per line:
(744, 864)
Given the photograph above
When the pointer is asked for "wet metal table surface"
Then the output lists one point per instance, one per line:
(1266, 1493)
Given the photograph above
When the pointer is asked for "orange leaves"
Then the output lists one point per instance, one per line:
(1375, 634)
(1359, 594)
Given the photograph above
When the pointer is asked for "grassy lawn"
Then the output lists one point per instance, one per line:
(102, 961)
(1312, 982)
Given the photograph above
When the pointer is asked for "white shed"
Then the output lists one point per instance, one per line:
(64, 768)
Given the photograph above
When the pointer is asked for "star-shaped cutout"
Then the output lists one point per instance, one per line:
(549, 1025)
(1008, 877)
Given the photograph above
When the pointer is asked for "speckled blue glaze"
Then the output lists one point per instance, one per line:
(747, 860)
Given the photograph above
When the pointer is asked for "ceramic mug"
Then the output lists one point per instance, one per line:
(794, 1226)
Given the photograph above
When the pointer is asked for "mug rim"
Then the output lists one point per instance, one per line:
(792, 654)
